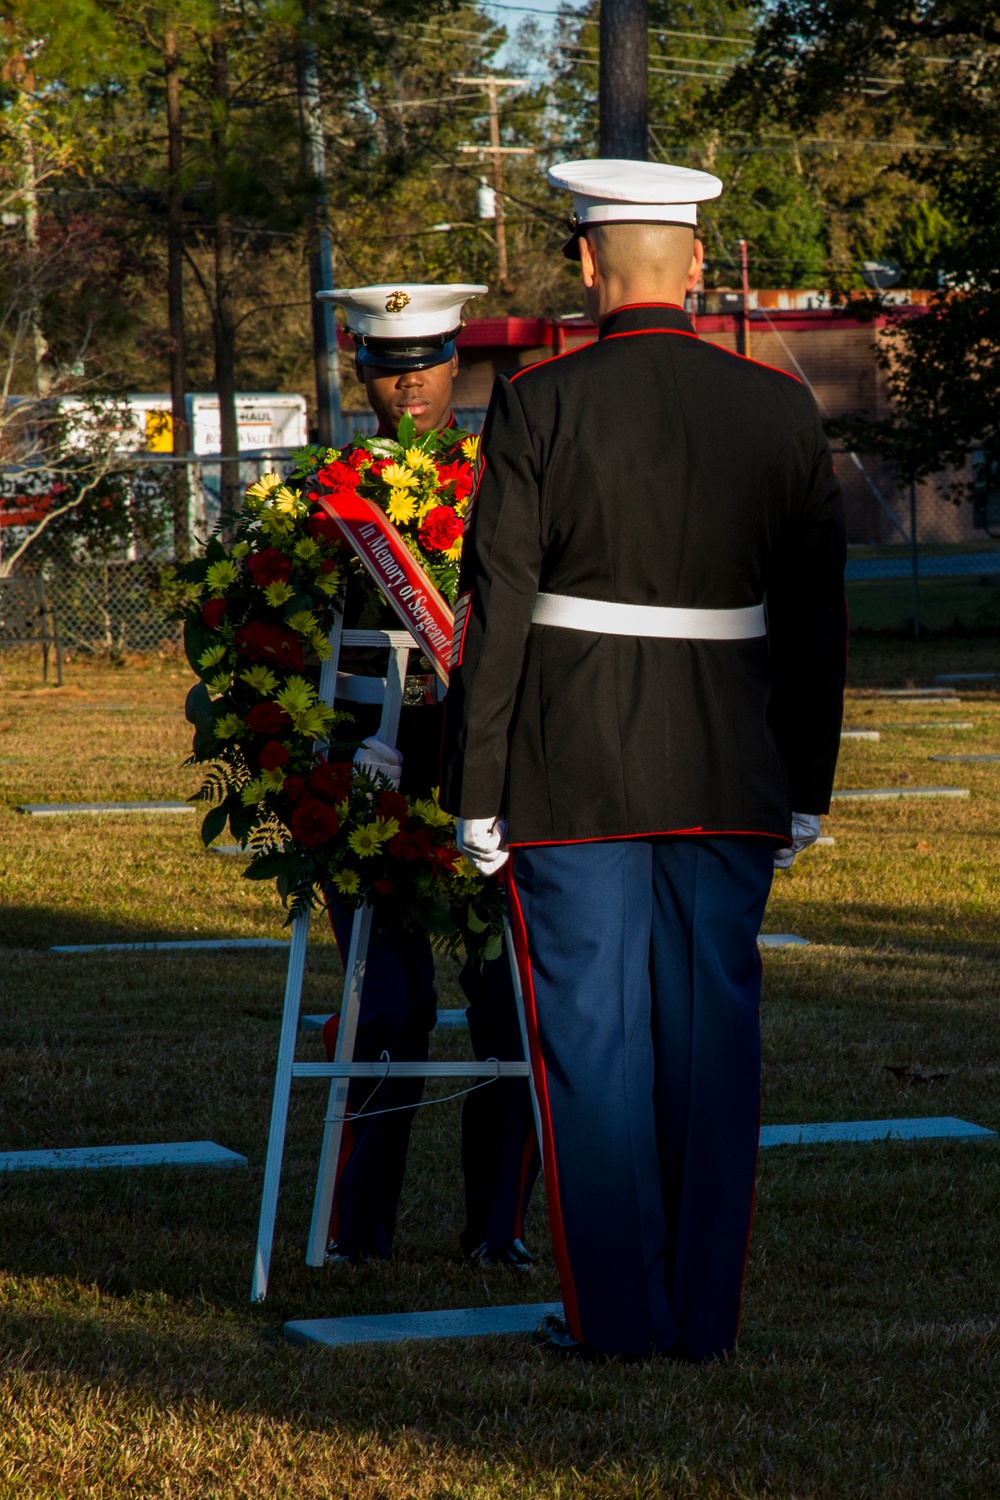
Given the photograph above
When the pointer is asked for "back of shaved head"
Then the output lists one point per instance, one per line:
(646, 251)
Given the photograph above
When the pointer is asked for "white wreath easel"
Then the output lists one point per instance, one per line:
(343, 1068)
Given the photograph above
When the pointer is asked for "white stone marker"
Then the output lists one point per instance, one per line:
(885, 793)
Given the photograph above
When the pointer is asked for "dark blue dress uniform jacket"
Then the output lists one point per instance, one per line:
(648, 468)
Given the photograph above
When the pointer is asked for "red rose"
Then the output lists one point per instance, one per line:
(441, 529)
(384, 887)
(339, 476)
(294, 788)
(314, 823)
(393, 805)
(273, 755)
(214, 612)
(269, 566)
(323, 528)
(459, 474)
(266, 718)
(271, 643)
(331, 780)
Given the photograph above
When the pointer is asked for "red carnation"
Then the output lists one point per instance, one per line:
(331, 780)
(402, 845)
(214, 612)
(328, 565)
(273, 755)
(261, 641)
(314, 823)
(358, 457)
(269, 566)
(266, 718)
(380, 464)
(339, 476)
(323, 528)
(459, 474)
(384, 887)
(294, 788)
(441, 529)
(393, 805)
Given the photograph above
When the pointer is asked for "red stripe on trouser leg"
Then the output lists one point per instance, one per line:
(331, 1026)
(520, 935)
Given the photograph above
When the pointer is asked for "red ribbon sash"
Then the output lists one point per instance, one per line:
(423, 611)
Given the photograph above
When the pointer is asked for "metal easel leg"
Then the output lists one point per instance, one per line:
(279, 1105)
(336, 1108)
(515, 975)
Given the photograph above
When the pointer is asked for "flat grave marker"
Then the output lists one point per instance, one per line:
(939, 1128)
(162, 1154)
(66, 809)
(946, 677)
(947, 694)
(781, 940)
(861, 734)
(963, 757)
(169, 947)
(934, 724)
(885, 793)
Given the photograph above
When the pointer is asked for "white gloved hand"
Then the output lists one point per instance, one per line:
(373, 755)
(481, 840)
(805, 831)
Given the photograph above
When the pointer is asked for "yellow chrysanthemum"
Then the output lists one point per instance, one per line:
(260, 678)
(470, 448)
(229, 727)
(286, 502)
(258, 493)
(347, 882)
(321, 646)
(314, 721)
(428, 811)
(211, 657)
(274, 780)
(303, 622)
(307, 549)
(401, 507)
(398, 476)
(277, 594)
(366, 841)
(240, 549)
(328, 583)
(220, 684)
(296, 696)
(419, 461)
(427, 505)
(465, 869)
(221, 575)
(387, 827)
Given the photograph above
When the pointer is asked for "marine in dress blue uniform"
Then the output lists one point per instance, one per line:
(405, 350)
(645, 707)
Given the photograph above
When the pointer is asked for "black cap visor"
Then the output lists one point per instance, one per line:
(405, 354)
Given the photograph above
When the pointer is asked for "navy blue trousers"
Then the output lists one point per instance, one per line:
(500, 1158)
(641, 975)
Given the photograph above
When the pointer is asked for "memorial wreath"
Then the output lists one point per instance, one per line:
(257, 612)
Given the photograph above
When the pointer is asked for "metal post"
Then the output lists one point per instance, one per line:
(915, 556)
(745, 274)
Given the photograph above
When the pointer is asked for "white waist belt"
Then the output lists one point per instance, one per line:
(603, 617)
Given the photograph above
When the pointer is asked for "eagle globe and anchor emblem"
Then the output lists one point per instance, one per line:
(396, 301)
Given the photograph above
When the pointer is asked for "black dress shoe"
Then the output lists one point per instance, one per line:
(513, 1257)
(553, 1335)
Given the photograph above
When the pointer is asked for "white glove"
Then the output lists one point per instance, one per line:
(481, 840)
(805, 831)
(373, 755)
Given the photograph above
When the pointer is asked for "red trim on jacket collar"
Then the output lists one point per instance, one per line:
(640, 317)
(630, 306)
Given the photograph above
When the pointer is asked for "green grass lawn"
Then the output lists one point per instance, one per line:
(131, 1360)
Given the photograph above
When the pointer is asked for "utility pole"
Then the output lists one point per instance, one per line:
(623, 79)
(745, 318)
(181, 437)
(326, 360)
(492, 87)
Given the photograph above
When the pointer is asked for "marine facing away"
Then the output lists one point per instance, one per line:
(644, 710)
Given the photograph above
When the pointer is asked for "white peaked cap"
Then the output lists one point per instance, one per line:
(403, 310)
(608, 191)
